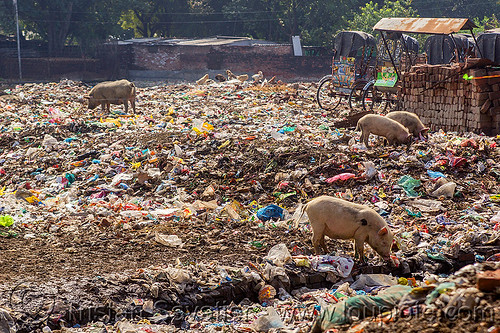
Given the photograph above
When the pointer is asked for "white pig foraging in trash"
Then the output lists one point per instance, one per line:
(393, 131)
(411, 122)
(340, 219)
(112, 92)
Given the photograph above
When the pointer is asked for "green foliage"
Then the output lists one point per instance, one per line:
(456, 8)
(486, 23)
(371, 13)
(7, 18)
(89, 22)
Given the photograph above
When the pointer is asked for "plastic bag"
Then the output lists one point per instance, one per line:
(447, 190)
(342, 176)
(373, 280)
(339, 265)
(269, 212)
(408, 183)
(6, 220)
(268, 321)
(278, 255)
(168, 240)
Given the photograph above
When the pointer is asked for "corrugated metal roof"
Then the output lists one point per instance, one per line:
(442, 26)
(212, 41)
(209, 41)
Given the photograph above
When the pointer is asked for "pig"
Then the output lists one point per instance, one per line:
(393, 131)
(340, 219)
(112, 92)
(411, 122)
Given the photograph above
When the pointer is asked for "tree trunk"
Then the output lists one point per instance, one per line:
(57, 33)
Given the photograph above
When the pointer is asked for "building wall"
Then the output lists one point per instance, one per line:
(272, 60)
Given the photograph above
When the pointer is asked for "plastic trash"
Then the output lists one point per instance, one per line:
(270, 212)
(447, 190)
(368, 281)
(440, 289)
(495, 218)
(435, 174)
(269, 321)
(408, 183)
(342, 176)
(6, 220)
(266, 293)
(370, 170)
(427, 205)
(168, 240)
(339, 265)
(278, 255)
(49, 142)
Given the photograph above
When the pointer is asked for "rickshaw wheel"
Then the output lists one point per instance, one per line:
(375, 100)
(327, 98)
(356, 97)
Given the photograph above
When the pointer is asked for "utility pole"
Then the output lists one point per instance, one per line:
(18, 42)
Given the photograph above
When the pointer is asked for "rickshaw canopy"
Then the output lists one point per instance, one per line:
(347, 43)
(489, 44)
(440, 49)
(419, 25)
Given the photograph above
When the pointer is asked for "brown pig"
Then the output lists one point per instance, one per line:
(379, 125)
(340, 219)
(112, 92)
(411, 122)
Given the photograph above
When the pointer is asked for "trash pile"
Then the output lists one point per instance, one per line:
(182, 216)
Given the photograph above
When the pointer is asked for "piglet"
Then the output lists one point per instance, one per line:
(393, 131)
(411, 122)
(340, 219)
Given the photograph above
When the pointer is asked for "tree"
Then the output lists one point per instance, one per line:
(155, 17)
(371, 13)
(456, 8)
(59, 22)
(7, 21)
(486, 23)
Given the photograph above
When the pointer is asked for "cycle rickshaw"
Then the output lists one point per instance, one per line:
(385, 88)
(352, 65)
(380, 94)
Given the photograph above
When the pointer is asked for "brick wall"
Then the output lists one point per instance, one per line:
(444, 100)
(272, 60)
(48, 68)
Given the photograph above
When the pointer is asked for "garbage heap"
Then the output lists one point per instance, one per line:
(454, 99)
(259, 297)
(193, 194)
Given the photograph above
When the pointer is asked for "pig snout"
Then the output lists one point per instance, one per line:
(383, 243)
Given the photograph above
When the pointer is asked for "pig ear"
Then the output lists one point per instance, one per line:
(424, 131)
(382, 231)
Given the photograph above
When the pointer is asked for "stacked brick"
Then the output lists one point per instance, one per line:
(443, 99)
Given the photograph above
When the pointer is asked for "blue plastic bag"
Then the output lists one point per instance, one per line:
(269, 212)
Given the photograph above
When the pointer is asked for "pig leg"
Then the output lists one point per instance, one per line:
(125, 103)
(318, 236)
(132, 102)
(103, 107)
(365, 138)
(359, 248)
(323, 244)
(317, 239)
